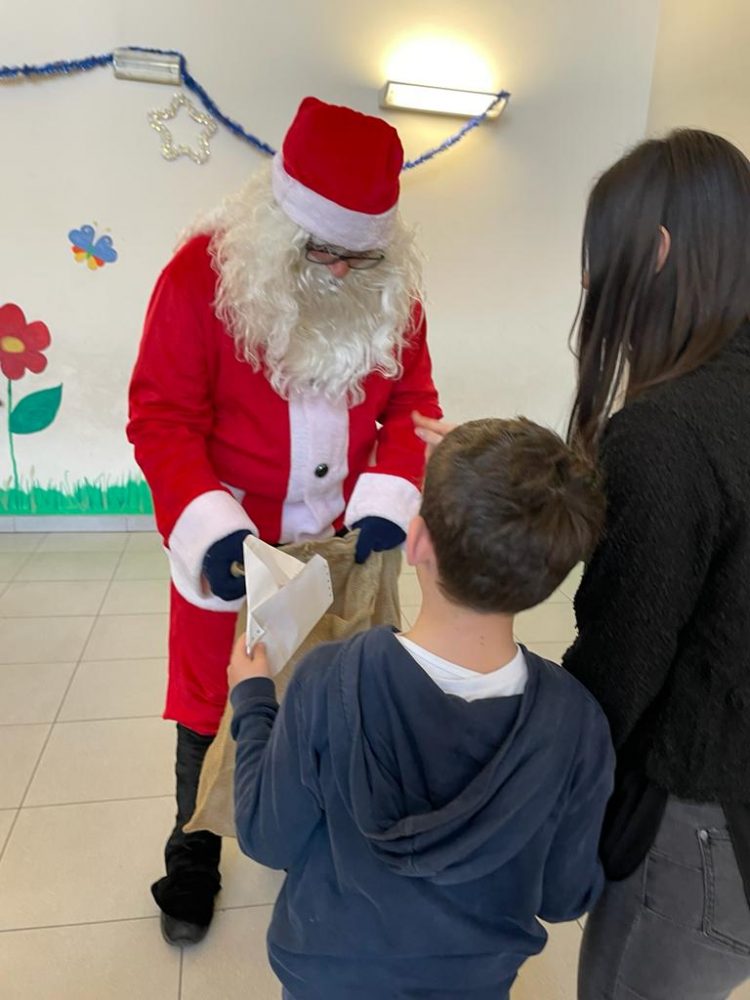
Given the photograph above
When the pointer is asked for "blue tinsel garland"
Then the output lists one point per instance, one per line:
(65, 67)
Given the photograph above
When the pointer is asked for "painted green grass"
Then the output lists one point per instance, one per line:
(98, 496)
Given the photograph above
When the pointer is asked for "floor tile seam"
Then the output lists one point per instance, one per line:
(121, 920)
(244, 906)
(98, 616)
(27, 807)
(71, 552)
(132, 614)
(57, 713)
(43, 536)
(83, 659)
(28, 556)
(103, 601)
(65, 722)
(103, 718)
(25, 725)
(45, 618)
(10, 832)
(116, 659)
(15, 551)
(66, 579)
(77, 923)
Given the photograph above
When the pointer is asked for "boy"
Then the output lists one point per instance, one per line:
(431, 794)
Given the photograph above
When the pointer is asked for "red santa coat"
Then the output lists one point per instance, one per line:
(222, 451)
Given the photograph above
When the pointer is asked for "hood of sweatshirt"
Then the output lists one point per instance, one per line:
(440, 787)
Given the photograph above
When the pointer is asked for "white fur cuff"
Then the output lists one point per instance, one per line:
(377, 494)
(205, 520)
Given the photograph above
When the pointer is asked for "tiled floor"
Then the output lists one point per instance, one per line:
(86, 787)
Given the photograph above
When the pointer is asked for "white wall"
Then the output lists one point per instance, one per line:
(499, 217)
(700, 71)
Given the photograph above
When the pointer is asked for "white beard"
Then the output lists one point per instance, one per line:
(308, 331)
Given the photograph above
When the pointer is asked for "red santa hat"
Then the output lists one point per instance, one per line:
(337, 175)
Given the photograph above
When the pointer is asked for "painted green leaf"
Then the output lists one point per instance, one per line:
(35, 412)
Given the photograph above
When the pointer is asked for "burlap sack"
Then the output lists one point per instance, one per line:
(363, 596)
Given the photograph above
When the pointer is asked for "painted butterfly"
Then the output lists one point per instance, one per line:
(95, 253)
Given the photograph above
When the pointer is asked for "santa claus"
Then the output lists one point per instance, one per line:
(283, 354)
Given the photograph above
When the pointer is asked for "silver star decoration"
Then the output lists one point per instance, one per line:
(169, 150)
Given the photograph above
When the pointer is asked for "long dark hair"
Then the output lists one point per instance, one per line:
(639, 325)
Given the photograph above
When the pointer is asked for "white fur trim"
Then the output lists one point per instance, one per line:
(327, 221)
(319, 434)
(204, 521)
(380, 495)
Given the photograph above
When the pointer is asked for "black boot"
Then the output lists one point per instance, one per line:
(185, 895)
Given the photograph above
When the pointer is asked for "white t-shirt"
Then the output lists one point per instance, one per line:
(468, 684)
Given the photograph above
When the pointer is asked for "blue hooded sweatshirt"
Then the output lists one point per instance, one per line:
(422, 835)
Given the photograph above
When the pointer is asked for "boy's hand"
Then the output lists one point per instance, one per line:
(242, 666)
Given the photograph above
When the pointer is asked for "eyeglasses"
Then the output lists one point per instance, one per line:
(318, 254)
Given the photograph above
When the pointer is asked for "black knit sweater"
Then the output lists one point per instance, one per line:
(663, 612)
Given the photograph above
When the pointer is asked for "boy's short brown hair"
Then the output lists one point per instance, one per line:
(511, 509)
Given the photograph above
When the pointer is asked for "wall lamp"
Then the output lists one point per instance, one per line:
(148, 67)
(440, 100)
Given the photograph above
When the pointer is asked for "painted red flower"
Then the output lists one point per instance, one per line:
(21, 343)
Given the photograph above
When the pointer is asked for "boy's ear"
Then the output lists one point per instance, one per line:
(418, 542)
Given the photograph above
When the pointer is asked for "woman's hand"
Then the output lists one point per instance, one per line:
(430, 431)
(243, 665)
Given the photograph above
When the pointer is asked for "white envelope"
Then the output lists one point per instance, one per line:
(286, 599)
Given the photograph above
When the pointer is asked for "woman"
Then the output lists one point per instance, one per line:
(663, 611)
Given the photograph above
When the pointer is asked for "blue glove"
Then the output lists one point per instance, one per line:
(376, 534)
(217, 566)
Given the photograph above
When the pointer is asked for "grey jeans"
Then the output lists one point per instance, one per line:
(679, 927)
